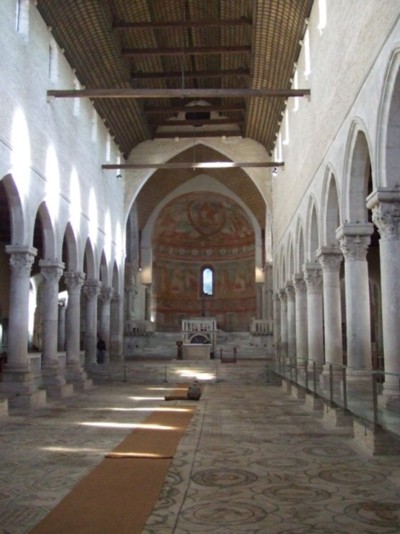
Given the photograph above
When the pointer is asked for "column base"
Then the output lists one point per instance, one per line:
(373, 440)
(335, 417)
(358, 375)
(389, 399)
(3, 406)
(312, 403)
(76, 376)
(53, 381)
(297, 392)
(20, 389)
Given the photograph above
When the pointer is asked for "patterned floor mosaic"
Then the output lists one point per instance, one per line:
(252, 461)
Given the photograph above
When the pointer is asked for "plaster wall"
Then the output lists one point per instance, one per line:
(54, 150)
(349, 59)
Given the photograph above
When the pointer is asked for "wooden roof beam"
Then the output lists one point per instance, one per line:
(233, 108)
(193, 134)
(122, 25)
(192, 74)
(194, 122)
(182, 52)
(175, 93)
(193, 165)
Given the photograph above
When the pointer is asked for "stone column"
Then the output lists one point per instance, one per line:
(259, 300)
(116, 328)
(277, 323)
(269, 293)
(105, 298)
(330, 259)
(52, 375)
(354, 239)
(61, 325)
(91, 289)
(291, 320)
(75, 373)
(301, 317)
(313, 279)
(17, 381)
(284, 329)
(385, 205)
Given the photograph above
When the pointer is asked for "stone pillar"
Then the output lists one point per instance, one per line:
(277, 323)
(116, 328)
(91, 289)
(354, 239)
(385, 205)
(301, 317)
(17, 381)
(313, 279)
(259, 300)
(75, 373)
(291, 320)
(269, 293)
(61, 325)
(284, 329)
(330, 259)
(105, 298)
(53, 379)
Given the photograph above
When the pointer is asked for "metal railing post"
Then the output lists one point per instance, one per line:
(374, 399)
(330, 384)
(314, 364)
(306, 373)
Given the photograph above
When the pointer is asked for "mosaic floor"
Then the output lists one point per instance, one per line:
(253, 460)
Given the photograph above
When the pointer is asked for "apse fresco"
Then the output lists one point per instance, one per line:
(192, 231)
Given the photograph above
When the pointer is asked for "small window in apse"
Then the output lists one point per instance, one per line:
(207, 281)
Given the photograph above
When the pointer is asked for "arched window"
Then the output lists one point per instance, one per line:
(207, 281)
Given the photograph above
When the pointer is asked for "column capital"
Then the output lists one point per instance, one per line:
(74, 279)
(283, 294)
(91, 288)
(299, 283)
(21, 258)
(51, 270)
(290, 290)
(386, 216)
(116, 298)
(330, 258)
(106, 294)
(312, 276)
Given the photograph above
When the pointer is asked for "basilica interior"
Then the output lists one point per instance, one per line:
(212, 189)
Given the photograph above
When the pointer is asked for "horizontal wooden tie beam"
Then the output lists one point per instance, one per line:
(193, 51)
(175, 93)
(240, 73)
(195, 122)
(234, 108)
(122, 25)
(192, 165)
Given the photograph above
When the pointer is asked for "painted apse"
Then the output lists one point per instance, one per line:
(199, 230)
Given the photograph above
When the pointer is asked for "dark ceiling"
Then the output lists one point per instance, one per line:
(210, 45)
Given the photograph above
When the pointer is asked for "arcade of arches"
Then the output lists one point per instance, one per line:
(313, 251)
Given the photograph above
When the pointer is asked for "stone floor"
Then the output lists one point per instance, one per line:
(253, 459)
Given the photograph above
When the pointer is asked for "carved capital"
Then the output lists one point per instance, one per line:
(21, 259)
(290, 290)
(329, 259)
(354, 247)
(312, 276)
(91, 288)
(74, 280)
(51, 270)
(106, 294)
(386, 216)
(299, 284)
(283, 295)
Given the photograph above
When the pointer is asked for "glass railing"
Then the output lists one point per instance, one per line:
(373, 396)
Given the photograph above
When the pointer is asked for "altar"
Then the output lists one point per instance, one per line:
(195, 351)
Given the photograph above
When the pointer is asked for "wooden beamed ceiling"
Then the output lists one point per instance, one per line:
(233, 58)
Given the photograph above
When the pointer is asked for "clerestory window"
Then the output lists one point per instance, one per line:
(207, 281)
